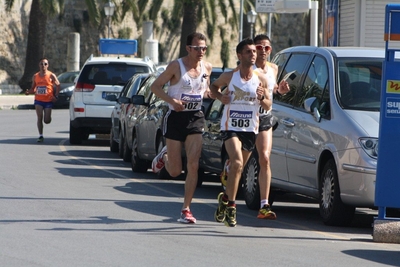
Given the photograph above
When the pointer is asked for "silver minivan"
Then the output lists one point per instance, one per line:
(326, 142)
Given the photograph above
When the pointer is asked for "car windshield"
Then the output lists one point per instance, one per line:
(111, 74)
(359, 83)
(67, 77)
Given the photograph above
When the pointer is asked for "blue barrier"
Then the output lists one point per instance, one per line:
(387, 189)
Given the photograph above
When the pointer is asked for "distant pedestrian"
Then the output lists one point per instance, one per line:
(188, 79)
(43, 83)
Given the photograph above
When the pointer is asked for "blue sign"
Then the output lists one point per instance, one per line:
(118, 46)
(388, 171)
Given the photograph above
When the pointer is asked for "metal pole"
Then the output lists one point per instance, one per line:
(109, 25)
(241, 21)
(251, 30)
(314, 24)
(269, 24)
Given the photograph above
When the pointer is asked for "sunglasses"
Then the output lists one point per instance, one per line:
(198, 48)
(43, 64)
(263, 47)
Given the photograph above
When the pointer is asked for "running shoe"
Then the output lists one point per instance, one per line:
(219, 214)
(186, 217)
(158, 161)
(230, 216)
(40, 139)
(266, 213)
(224, 174)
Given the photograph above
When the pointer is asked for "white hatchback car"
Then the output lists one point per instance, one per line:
(100, 77)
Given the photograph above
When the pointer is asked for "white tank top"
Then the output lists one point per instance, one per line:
(241, 114)
(189, 89)
(271, 80)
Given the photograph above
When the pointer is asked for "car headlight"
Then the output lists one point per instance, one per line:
(67, 89)
(370, 146)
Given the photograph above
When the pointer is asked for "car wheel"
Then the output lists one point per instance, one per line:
(121, 144)
(332, 209)
(75, 135)
(163, 173)
(137, 164)
(113, 144)
(200, 177)
(250, 186)
(127, 153)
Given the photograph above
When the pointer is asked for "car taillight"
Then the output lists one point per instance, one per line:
(79, 110)
(84, 87)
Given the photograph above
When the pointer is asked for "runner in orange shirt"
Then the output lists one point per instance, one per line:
(43, 87)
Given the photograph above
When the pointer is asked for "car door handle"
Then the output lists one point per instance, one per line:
(287, 122)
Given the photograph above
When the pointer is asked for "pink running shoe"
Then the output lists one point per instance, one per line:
(187, 217)
(158, 161)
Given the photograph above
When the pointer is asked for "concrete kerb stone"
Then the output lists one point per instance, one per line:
(386, 231)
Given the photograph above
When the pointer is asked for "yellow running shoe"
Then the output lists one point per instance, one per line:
(266, 213)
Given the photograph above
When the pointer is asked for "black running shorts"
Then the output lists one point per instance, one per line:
(178, 125)
(248, 139)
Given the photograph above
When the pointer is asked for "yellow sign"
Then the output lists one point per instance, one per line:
(393, 87)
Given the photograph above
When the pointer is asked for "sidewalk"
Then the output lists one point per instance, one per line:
(16, 102)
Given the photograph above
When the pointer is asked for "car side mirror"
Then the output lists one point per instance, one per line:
(138, 100)
(111, 97)
(311, 106)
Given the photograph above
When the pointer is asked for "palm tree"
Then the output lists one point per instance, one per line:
(184, 18)
(40, 11)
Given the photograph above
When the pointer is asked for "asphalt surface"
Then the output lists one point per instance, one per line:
(16, 102)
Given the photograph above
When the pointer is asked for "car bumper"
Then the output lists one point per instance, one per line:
(93, 125)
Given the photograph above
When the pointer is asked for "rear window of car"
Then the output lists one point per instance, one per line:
(110, 74)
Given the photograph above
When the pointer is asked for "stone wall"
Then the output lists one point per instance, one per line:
(287, 30)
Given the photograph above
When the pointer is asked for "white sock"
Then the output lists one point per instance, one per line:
(264, 202)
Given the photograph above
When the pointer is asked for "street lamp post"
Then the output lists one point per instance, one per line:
(251, 18)
(109, 11)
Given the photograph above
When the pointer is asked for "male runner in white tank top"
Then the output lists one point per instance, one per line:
(264, 137)
(184, 122)
(246, 92)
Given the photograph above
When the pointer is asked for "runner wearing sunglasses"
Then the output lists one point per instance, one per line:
(43, 87)
(184, 122)
(264, 137)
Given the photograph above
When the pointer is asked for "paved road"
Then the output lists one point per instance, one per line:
(63, 205)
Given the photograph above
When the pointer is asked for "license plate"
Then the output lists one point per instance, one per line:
(105, 94)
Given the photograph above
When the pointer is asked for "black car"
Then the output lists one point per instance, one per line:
(67, 87)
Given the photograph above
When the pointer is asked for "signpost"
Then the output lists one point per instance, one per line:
(291, 6)
(387, 174)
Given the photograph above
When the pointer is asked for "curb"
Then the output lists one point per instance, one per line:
(25, 106)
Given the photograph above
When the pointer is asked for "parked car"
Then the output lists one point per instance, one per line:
(144, 126)
(119, 114)
(326, 142)
(67, 87)
(161, 68)
(100, 77)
